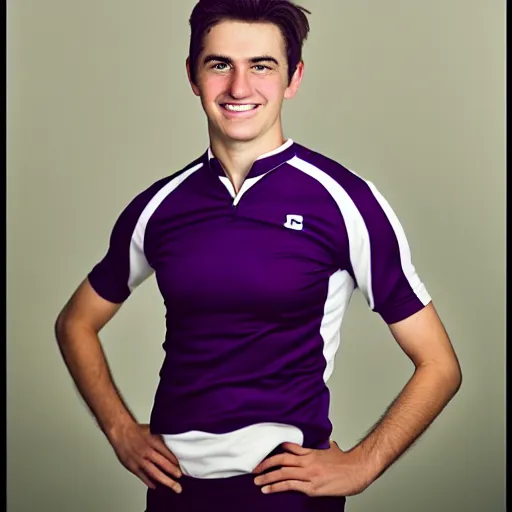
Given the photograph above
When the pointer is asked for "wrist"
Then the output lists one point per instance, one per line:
(366, 465)
(113, 428)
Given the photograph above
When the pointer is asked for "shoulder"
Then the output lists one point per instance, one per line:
(341, 182)
(171, 180)
(161, 187)
(365, 210)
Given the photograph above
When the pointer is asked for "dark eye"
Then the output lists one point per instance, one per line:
(261, 67)
(216, 66)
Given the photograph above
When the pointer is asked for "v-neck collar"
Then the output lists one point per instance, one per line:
(262, 165)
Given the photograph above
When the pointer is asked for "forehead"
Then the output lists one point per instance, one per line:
(240, 40)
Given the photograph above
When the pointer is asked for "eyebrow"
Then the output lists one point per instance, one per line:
(228, 60)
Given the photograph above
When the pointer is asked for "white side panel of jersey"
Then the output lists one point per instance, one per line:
(341, 287)
(139, 266)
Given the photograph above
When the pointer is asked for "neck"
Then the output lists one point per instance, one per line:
(237, 157)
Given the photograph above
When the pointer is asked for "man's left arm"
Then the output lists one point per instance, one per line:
(333, 472)
(436, 379)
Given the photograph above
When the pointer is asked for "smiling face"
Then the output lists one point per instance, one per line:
(242, 80)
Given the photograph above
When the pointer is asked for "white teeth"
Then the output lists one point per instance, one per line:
(239, 108)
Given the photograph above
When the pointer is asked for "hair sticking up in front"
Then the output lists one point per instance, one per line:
(289, 17)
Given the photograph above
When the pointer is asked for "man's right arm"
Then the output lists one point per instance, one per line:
(77, 331)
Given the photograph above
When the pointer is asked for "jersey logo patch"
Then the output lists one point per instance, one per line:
(294, 222)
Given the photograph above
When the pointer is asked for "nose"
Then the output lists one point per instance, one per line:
(240, 84)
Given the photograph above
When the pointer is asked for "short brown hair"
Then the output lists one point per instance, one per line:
(289, 17)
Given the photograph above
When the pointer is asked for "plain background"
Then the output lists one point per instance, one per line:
(409, 94)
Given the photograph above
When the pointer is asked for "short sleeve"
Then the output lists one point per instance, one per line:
(381, 258)
(125, 265)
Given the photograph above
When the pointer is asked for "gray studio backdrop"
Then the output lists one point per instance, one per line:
(409, 94)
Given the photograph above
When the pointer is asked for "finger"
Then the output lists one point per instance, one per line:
(296, 449)
(280, 475)
(282, 459)
(157, 475)
(288, 485)
(159, 444)
(164, 463)
(139, 473)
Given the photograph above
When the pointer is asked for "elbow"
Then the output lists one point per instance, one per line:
(452, 374)
(458, 376)
(69, 326)
(62, 326)
(447, 373)
(58, 327)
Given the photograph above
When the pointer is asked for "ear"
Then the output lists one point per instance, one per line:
(195, 89)
(292, 89)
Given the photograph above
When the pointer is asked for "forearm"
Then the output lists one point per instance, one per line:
(423, 398)
(87, 364)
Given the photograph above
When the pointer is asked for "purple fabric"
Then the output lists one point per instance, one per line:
(393, 296)
(245, 296)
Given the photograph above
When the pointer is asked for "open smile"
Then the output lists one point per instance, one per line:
(240, 109)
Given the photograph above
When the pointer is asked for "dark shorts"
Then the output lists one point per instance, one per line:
(235, 494)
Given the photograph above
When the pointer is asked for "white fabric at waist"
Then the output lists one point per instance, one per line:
(207, 455)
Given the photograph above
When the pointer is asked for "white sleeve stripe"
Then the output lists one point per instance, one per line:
(359, 238)
(139, 266)
(405, 252)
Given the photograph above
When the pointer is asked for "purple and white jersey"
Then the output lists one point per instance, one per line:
(256, 285)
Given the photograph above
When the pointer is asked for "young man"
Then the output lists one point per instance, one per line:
(257, 246)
